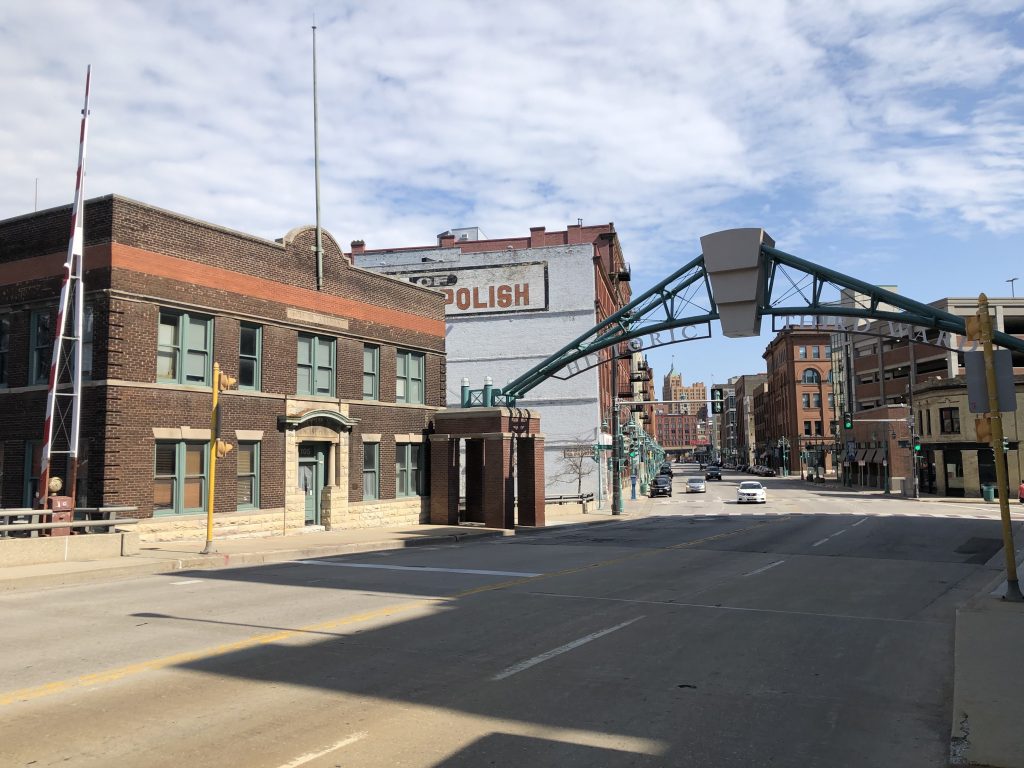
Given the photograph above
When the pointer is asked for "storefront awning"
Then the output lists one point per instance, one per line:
(861, 453)
(874, 456)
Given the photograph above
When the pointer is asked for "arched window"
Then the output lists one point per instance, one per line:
(811, 376)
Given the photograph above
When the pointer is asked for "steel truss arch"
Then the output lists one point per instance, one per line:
(752, 278)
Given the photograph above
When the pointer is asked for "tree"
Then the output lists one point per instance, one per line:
(574, 468)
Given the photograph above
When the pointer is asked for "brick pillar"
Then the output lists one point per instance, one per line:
(530, 466)
(499, 500)
(444, 480)
(475, 481)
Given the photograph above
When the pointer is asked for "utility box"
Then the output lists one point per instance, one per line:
(62, 510)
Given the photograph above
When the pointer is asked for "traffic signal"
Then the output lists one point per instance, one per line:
(917, 444)
(223, 448)
(847, 420)
(1006, 444)
(225, 381)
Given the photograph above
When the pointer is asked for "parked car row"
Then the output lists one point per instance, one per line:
(760, 470)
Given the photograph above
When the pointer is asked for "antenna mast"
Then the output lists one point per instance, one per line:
(318, 248)
(63, 408)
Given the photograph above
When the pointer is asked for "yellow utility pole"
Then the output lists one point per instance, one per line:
(218, 449)
(984, 330)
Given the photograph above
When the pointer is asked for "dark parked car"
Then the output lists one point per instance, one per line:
(661, 486)
(713, 473)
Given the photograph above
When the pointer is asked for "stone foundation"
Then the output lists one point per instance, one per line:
(382, 513)
(234, 525)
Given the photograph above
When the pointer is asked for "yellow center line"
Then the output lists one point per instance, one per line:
(186, 657)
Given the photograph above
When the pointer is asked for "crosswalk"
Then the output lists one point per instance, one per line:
(761, 511)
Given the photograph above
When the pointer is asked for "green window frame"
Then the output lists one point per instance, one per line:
(371, 372)
(32, 468)
(5, 345)
(180, 477)
(250, 351)
(184, 347)
(248, 475)
(408, 460)
(409, 377)
(315, 356)
(371, 471)
(41, 346)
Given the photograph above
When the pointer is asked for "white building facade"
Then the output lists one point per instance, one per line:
(512, 303)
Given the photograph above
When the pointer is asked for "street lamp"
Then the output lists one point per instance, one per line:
(1011, 281)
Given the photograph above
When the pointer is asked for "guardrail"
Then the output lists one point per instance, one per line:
(579, 498)
(95, 517)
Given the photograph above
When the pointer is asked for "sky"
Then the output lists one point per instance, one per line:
(881, 138)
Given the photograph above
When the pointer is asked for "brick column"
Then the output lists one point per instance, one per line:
(499, 499)
(474, 481)
(530, 466)
(444, 480)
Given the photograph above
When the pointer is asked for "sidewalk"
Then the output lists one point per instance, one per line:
(167, 557)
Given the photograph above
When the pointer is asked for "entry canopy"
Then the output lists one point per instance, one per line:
(740, 277)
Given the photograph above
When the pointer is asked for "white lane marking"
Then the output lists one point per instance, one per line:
(309, 756)
(418, 568)
(523, 665)
(837, 533)
(762, 570)
(190, 581)
(859, 522)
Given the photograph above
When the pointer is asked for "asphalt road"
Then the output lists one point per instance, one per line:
(691, 637)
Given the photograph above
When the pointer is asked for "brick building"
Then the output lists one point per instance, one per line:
(888, 371)
(799, 401)
(336, 392)
(746, 431)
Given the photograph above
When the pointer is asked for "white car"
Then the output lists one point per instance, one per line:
(696, 485)
(751, 490)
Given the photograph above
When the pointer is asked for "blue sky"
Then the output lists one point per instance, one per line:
(882, 137)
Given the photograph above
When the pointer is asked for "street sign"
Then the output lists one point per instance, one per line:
(578, 452)
(977, 388)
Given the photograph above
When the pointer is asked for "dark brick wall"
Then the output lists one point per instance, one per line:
(118, 421)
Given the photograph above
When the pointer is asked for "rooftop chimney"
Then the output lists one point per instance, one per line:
(358, 247)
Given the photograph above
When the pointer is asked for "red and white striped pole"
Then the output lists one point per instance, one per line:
(72, 270)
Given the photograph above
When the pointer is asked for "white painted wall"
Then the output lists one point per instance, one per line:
(504, 346)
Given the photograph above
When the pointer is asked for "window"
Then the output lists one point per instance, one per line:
(179, 477)
(371, 369)
(829, 376)
(41, 341)
(828, 351)
(407, 469)
(817, 429)
(949, 421)
(183, 348)
(371, 471)
(807, 400)
(409, 378)
(831, 400)
(816, 352)
(250, 347)
(816, 399)
(810, 376)
(87, 323)
(803, 353)
(807, 428)
(5, 345)
(33, 462)
(248, 475)
(82, 475)
(928, 418)
(315, 365)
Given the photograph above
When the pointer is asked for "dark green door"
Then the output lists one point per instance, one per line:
(312, 458)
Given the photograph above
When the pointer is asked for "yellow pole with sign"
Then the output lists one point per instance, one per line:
(995, 417)
(214, 418)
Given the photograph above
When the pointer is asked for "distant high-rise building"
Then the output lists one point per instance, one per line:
(695, 395)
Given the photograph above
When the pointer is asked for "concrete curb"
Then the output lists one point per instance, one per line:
(140, 565)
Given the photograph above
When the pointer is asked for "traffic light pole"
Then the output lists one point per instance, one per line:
(616, 439)
(217, 448)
